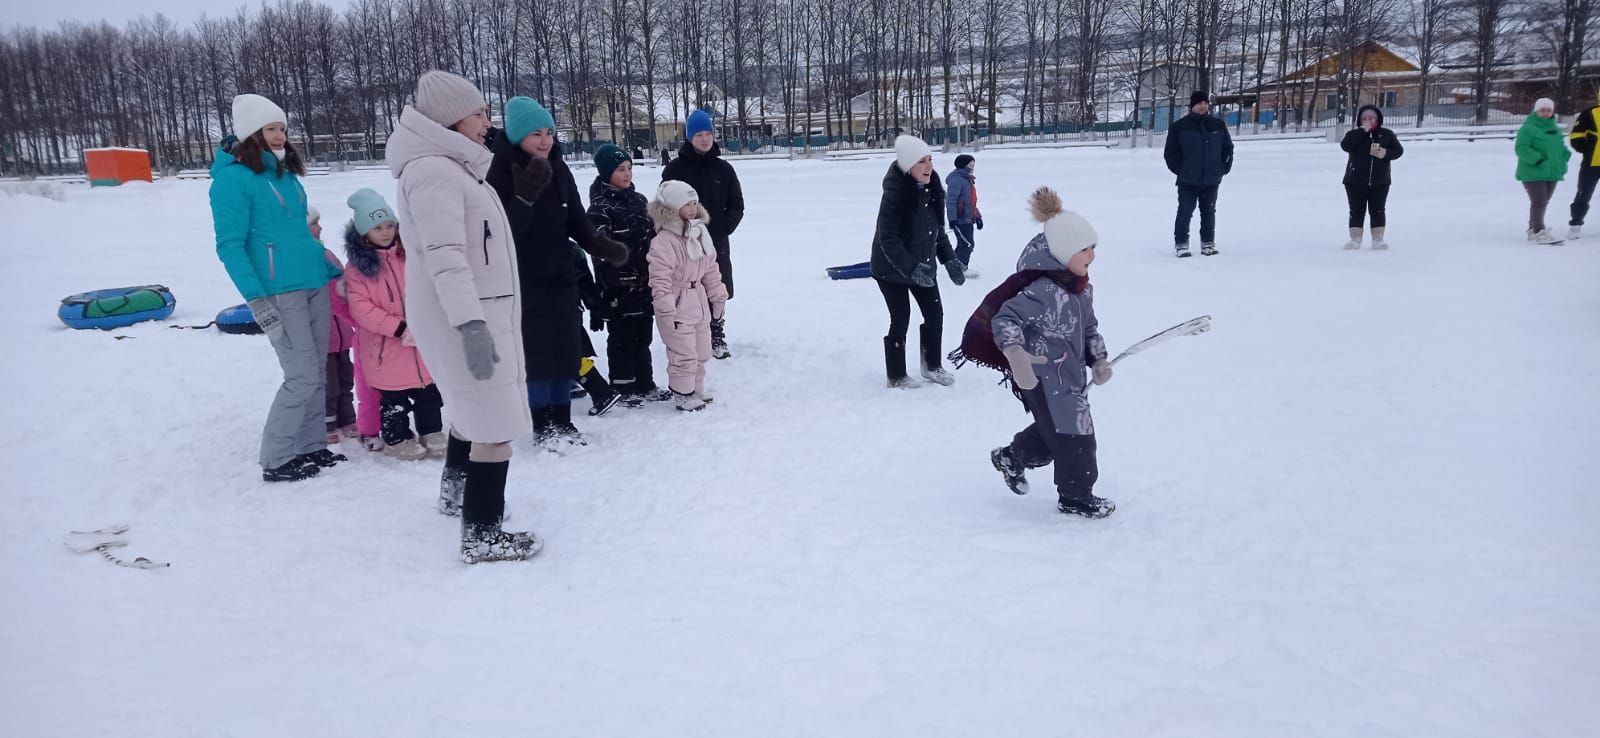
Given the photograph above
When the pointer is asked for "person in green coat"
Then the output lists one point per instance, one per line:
(258, 210)
(1541, 164)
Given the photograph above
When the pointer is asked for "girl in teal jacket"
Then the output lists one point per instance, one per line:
(258, 210)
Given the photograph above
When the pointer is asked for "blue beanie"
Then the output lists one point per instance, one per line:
(699, 120)
(524, 115)
(370, 210)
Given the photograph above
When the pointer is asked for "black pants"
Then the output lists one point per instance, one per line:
(964, 242)
(340, 391)
(725, 266)
(1039, 444)
(1189, 196)
(1588, 177)
(628, 353)
(1365, 199)
(898, 298)
(424, 403)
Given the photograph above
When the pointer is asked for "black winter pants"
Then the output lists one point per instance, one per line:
(725, 266)
(628, 353)
(898, 298)
(1039, 444)
(424, 404)
(340, 390)
(1188, 197)
(1588, 177)
(1365, 199)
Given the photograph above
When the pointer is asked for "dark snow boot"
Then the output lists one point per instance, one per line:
(1210, 249)
(931, 355)
(719, 339)
(481, 536)
(894, 364)
(453, 483)
(578, 391)
(1011, 469)
(1089, 506)
(601, 395)
(1182, 249)
(563, 429)
(544, 431)
(293, 470)
(323, 458)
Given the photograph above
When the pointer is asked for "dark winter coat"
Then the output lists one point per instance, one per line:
(1583, 138)
(1199, 150)
(714, 180)
(961, 199)
(1364, 168)
(1541, 157)
(910, 230)
(1057, 324)
(544, 233)
(623, 215)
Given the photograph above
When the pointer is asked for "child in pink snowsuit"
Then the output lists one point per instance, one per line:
(686, 289)
(340, 411)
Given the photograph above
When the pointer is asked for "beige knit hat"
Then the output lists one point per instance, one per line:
(447, 99)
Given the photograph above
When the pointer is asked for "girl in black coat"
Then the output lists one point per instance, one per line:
(546, 215)
(1366, 177)
(908, 238)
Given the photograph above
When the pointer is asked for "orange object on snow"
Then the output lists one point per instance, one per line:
(111, 167)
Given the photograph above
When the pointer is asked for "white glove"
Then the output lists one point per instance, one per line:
(266, 315)
(1022, 366)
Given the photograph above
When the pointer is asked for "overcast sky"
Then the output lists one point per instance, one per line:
(47, 13)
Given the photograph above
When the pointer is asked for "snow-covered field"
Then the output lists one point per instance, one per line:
(1363, 505)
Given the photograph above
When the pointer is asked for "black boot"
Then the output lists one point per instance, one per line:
(293, 470)
(452, 484)
(1013, 470)
(323, 458)
(544, 432)
(483, 505)
(931, 355)
(601, 394)
(1088, 506)
(561, 425)
(894, 361)
(719, 339)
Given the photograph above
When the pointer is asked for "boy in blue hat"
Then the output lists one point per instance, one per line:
(700, 164)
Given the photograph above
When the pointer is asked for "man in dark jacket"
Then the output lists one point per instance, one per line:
(700, 164)
(1200, 152)
(1583, 137)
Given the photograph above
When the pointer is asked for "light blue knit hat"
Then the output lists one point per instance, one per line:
(524, 115)
(370, 210)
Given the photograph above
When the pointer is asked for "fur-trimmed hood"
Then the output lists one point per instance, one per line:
(666, 218)
(361, 255)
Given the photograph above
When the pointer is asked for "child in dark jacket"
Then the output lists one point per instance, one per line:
(1048, 334)
(621, 212)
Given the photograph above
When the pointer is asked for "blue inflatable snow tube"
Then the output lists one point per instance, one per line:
(239, 320)
(851, 271)
(117, 308)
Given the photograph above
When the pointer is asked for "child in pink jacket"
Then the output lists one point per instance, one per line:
(686, 289)
(340, 410)
(375, 285)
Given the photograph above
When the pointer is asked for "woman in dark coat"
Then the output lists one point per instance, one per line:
(1366, 176)
(909, 236)
(547, 216)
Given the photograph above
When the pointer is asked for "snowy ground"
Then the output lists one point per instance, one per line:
(1363, 505)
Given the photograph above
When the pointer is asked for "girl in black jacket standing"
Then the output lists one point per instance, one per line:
(909, 236)
(1366, 177)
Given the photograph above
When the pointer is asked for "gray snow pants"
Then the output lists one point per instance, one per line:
(296, 422)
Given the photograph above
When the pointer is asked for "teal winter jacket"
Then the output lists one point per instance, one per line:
(262, 236)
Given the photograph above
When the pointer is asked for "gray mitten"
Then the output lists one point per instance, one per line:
(479, 348)
(958, 273)
(922, 276)
(266, 315)
(1022, 366)
(1102, 371)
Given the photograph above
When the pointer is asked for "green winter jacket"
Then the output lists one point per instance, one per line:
(262, 236)
(1541, 151)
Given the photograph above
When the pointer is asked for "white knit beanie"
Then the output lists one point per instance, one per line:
(1065, 232)
(908, 150)
(447, 99)
(1542, 103)
(252, 113)
(676, 194)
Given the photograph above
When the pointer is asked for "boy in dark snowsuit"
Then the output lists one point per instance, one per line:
(623, 310)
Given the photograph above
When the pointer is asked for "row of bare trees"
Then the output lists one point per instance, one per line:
(620, 69)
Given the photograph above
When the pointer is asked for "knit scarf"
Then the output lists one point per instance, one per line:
(977, 339)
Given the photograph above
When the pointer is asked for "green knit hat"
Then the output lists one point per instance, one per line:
(607, 158)
(370, 211)
(524, 115)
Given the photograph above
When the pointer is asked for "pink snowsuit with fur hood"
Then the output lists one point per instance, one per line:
(687, 293)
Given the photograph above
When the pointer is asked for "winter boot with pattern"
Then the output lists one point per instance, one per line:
(602, 396)
(1090, 506)
(294, 470)
(1378, 244)
(324, 458)
(544, 432)
(719, 339)
(1182, 249)
(566, 433)
(453, 483)
(484, 500)
(931, 355)
(1354, 244)
(894, 360)
(1008, 466)
(1208, 248)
